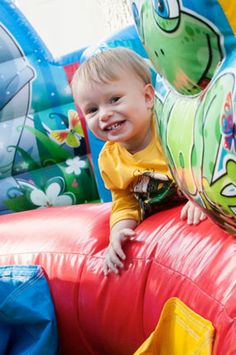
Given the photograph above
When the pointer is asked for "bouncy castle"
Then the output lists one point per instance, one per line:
(177, 291)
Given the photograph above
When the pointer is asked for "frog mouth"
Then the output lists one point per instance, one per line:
(193, 86)
(203, 83)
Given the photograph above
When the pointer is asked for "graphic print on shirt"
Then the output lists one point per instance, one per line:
(155, 192)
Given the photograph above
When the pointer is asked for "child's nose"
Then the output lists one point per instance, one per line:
(105, 114)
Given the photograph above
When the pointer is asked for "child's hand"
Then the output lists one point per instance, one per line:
(192, 213)
(114, 252)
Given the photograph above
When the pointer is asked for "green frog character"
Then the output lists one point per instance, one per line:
(181, 45)
(197, 131)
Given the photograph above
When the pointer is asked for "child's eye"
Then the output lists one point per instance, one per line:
(114, 99)
(91, 110)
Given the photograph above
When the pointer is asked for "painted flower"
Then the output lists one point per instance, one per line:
(75, 165)
(53, 195)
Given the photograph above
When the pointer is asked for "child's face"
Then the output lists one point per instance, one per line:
(119, 110)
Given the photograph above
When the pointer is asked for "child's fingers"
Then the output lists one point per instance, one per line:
(203, 216)
(118, 250)
(198, 216)
(127, 233)
(112, 262)
(115, 254)
(112, 255)
(191, 217)
(111, 266)
(192, 213)
(105, 269)
(183, 213)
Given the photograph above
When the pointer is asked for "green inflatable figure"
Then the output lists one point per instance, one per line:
(196, 126)
(182, 47)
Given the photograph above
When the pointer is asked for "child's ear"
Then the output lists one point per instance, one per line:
(149, 95)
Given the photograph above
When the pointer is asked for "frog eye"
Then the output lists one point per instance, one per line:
(166, 8)
(136, 15)
(167, 14)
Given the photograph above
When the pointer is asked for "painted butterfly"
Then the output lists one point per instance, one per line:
(72, 135)
(228, 124)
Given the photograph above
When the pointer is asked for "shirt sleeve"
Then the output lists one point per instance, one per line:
(124, 206)
(124, 203)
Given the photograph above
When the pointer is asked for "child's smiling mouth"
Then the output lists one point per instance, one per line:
(114, 126)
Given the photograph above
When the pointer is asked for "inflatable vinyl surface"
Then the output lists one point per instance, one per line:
(115, 314)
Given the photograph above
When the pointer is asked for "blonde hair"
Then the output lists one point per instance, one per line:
(106, 66)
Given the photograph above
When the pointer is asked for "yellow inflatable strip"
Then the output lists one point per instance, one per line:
(180, 331)
(229, 10)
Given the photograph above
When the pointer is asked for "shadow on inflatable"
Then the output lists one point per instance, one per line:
(177, 292)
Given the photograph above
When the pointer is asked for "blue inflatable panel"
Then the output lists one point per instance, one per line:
(27, 318)
(42, 141)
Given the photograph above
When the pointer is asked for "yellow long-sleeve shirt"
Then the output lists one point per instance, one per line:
(121, 171)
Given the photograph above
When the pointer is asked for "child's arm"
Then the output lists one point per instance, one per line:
(192, 213)
(115, 255)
